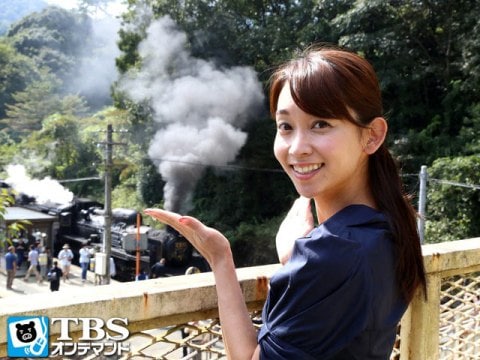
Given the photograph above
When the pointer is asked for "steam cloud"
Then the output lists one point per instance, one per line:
(198, 107)
(45, 190)
(97, 69)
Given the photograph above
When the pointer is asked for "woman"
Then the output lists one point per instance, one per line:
(345, 283)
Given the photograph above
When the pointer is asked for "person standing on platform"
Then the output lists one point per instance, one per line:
(54, 276)
(113, 269)
(43, 261)
(48, 251)
(84, 261)
(20, 252)
(159, 269)
(142, 276)
(33, 259)
(11, 266)
(65, 256)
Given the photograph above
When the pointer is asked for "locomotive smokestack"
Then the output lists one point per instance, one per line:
(198, 108)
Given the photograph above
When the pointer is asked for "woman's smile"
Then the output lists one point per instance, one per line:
(306, 169)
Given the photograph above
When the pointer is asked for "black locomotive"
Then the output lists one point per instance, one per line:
(83, 222)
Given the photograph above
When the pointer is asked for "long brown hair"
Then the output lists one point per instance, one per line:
(335, 83)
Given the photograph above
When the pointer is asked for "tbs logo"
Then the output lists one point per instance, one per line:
(28, 336)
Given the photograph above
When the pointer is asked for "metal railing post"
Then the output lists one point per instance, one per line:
(422, 200)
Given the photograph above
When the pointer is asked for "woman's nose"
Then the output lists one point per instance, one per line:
(300, 144)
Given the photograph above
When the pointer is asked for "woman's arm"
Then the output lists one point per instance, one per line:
(239, 334)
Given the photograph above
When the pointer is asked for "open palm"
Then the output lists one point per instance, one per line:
(211, 244)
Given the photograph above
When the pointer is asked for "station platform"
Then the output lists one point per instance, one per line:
(23, 288)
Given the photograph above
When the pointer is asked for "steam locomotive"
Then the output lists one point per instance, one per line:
(82, 221)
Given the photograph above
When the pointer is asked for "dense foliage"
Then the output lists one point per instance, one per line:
(16, 72)
(426, 55)
(54, 38)
(455, 200)
(8, 199)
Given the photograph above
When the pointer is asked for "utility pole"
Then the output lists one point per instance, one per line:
(107, 233)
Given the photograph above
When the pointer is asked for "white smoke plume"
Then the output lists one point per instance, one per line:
(97, 70)
(44, 191)
(199, 109)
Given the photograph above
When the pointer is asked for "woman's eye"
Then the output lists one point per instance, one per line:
(321, 124)
(283, 126)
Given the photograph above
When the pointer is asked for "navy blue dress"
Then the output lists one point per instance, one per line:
(337, 297)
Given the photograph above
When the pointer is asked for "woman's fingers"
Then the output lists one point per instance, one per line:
(163, 215)
(208, 241)
(170, 218)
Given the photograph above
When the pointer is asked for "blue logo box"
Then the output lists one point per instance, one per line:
(27, 336)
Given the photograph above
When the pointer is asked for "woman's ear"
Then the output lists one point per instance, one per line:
(375, 135)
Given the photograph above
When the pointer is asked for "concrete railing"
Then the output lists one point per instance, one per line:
(428, 329)
(149, 304)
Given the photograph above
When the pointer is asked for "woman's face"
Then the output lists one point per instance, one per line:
(324, 158)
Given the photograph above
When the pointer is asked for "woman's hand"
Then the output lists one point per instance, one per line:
(239, 335)
(298, 222)
(213, 246)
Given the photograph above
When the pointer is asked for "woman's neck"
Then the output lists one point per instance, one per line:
(325, 209)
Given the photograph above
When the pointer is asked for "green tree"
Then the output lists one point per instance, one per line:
(68, 153)
(8, 148)
(254, 33)
(54, 38)
(469, 134)
(31, 106)
(34, 104)
(128, 155)
(453, 199)
(16, 71)
(150, 184)
(7, 199)
(419, 50)
(252, 243)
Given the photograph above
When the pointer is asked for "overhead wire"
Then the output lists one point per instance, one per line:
(226, 167)
(455, 183)
(246, 168)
